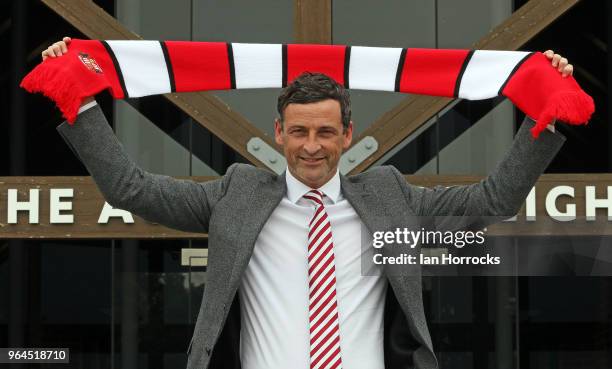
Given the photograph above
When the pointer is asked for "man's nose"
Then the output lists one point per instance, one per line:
(312, 146)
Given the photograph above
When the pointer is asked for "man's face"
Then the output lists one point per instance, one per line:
(313, 140)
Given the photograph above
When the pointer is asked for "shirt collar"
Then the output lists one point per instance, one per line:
(297, 189)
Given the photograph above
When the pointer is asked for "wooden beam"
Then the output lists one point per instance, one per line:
(206, 109)
(87, 203)
(312, 21)
(405, 118)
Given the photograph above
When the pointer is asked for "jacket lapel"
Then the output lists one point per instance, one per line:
(364, 201)
(368, 206)
(264, 198)
(407, 288)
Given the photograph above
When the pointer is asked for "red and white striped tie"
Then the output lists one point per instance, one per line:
(323, 307)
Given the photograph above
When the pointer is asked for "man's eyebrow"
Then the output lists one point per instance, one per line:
(329, 127)
(326, 126)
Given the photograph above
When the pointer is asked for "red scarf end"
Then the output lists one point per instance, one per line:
(572, 107)
(64, 91)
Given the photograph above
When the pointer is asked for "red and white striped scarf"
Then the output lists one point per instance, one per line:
(141, 68)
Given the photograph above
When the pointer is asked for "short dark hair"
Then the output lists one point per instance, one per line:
(313, 87)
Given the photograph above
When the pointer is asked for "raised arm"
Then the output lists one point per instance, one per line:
(502, 193)
(181, 204)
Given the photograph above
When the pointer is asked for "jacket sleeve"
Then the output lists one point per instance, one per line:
(502, 192)
(185, 205)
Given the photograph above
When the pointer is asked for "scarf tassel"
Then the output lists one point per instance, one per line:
(65, 92)
(573, 107)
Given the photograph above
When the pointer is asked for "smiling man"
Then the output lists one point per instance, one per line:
(314, 127)
(284, 284)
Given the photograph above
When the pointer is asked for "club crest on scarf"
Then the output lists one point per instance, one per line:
(90, 63)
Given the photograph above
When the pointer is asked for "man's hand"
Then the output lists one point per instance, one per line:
(560, 63)
(57, 49)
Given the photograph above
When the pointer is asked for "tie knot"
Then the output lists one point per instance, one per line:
(315, 196)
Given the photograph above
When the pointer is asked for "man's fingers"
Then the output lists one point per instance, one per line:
(562, 64)
(57, 49)
(549, 53)
(568, 70)
(555, 60)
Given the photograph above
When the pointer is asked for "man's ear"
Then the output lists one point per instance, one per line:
(278, 132)
(348, 135)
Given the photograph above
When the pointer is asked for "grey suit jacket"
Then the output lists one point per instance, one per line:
(234, 208)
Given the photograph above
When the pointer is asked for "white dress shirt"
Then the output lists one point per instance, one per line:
(89, 105)
(274, 289)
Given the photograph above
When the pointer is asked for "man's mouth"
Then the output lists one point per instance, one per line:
(311, 160)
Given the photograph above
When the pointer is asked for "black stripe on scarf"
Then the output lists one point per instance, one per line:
(347, 65)
(232, 71)
(400, 69)
(110, 52)
(284, 65)
(516, 67)
(460, 76)
(168, 66)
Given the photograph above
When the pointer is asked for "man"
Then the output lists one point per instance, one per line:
(284, 287)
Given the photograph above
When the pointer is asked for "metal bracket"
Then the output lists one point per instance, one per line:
(194, 257)
(357, 154)
(267, 154)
